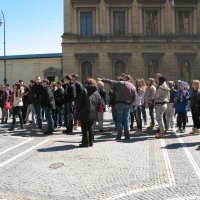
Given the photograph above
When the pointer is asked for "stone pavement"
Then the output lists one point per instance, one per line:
(37, 167)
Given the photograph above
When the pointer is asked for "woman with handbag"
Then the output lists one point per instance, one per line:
(17, 105)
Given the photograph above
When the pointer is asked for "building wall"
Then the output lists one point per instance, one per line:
(27, 69)
(135, 48)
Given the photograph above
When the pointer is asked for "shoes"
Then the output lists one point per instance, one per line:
(83, 145)
(178, 130)
(48, 132)
(22, 126)
(67, 131)
(183, 130)
(127, 138)
(160, 136)
(150, 128)
(117, 138)
(11, 128)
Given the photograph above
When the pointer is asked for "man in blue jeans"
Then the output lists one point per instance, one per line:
(125, 96)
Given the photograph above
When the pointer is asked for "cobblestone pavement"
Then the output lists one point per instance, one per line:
(37, 167)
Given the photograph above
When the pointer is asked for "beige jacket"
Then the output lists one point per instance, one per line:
(162, 94)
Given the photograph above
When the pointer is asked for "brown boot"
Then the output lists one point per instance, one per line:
(160, 135)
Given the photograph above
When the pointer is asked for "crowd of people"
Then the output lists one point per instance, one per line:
(70, 103)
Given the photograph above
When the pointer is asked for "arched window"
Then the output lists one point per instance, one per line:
(185, 70)
(153, 68)
(86, 70)
(120, 68)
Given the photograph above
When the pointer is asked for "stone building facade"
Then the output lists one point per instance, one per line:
(26, 67)
(103, 38)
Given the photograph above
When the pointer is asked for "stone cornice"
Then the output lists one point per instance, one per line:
(86, 55)
(184, 2)
(121, 2)
(150, 2)
(85, 1)
(119, 54)
(152, 54)
(185, 54)
(75, 39)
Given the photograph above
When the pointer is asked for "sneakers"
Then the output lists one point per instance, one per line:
(195, 131)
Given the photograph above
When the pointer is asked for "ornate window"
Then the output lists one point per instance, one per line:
(86, 23)
(86, 70)
(120, 68)
(153, 68)
(186, 63)
(151, 22)
(153, 63)
(120, 62)
(185, 70)
(118, 22)
(184, 22)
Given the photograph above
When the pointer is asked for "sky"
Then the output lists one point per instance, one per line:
(31, 26)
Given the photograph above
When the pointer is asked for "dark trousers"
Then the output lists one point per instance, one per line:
(58, 115)
(17, 112)
(87, 128)
(151, 113)
(144, 114)
(68, 116)
(132, 120)
(181, 120)
(195, 118)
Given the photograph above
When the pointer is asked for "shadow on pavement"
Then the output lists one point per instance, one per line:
(178, 145)
(58, 148)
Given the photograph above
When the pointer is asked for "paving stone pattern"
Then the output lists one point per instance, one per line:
(139, 169)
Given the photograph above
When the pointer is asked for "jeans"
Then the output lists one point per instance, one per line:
(30, 110)
(38, 113)
(68, 116)
(123, 115)
(49, 118)
(138, 114)
(58, 115)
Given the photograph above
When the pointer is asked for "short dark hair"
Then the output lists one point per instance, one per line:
(75, 75)
(46, 81)
(68, 77)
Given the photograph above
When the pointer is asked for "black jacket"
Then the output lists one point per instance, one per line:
(69, 95)
(195, 100)
(59, 96)
(37, 90)
(85, 108)
(47, 98)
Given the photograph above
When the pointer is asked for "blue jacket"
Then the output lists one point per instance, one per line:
(181, 101)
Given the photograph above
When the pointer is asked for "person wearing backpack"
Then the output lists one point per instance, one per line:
(85, 110)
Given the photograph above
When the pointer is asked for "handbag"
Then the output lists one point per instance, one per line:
(7, 106)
